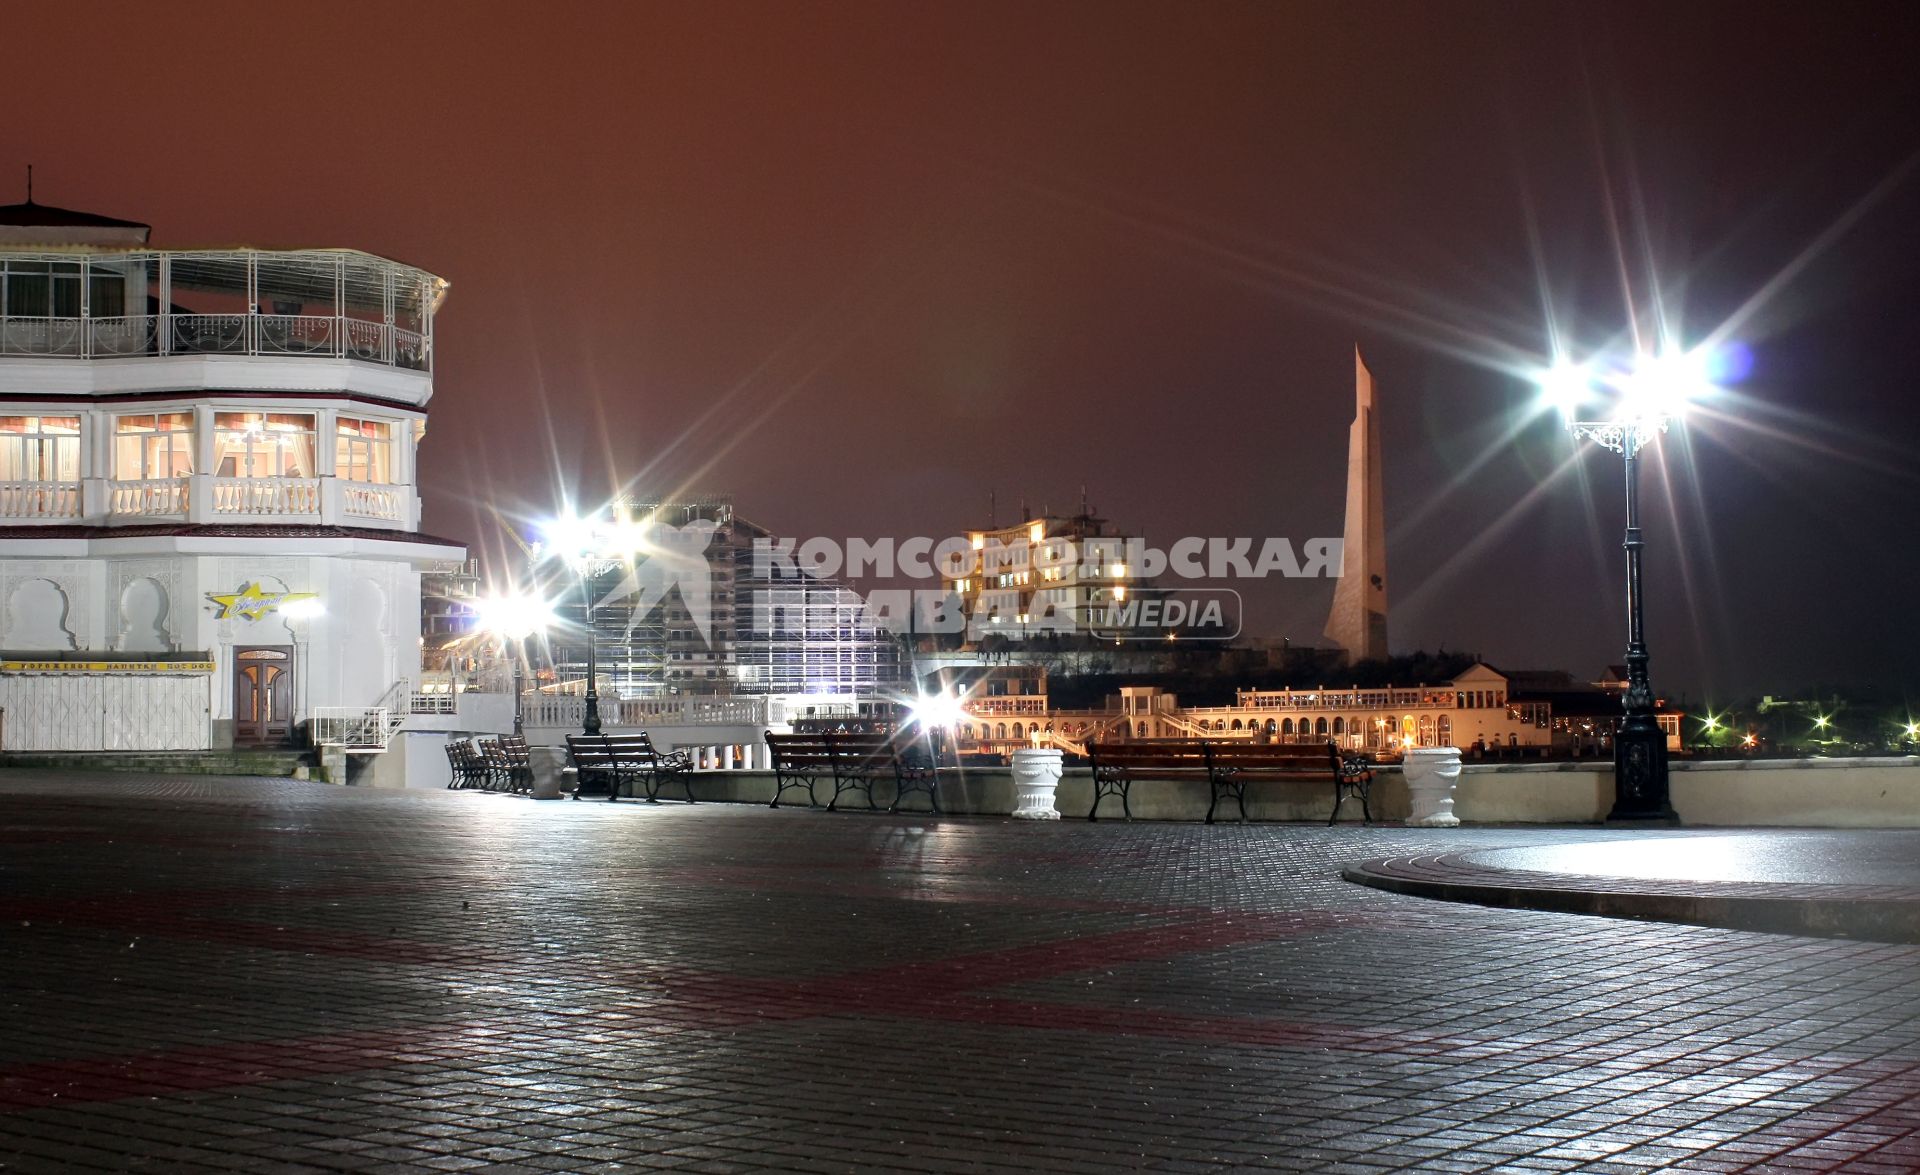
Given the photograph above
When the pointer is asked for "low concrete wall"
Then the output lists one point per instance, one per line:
(1800, 793)
(1534, 793)
(1803, 793)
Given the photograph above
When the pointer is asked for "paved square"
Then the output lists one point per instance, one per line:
(276, 976)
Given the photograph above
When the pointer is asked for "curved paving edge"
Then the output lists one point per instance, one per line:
(1824, 911)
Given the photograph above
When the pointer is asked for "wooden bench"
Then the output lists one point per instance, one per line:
(610, 762)
(509, 763)
(1227, 767)
(468, 767)
(853, 762)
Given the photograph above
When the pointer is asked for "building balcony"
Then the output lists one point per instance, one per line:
(103, 322)
(318, 501)
(261, 335)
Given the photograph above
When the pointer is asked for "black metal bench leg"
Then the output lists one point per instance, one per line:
(1240, 794)
(1338, 798)
(1212, 801)
(1126, 804)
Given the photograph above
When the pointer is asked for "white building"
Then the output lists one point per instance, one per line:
(209, 524)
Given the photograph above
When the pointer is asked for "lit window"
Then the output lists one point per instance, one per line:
(39, 448)
(153, 446)
(364, 450)
(263, 444)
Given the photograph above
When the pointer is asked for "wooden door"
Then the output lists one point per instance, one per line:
(263, 695)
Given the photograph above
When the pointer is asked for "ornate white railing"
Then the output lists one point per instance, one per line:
(1442, 697)
(434, 703)
(266, 495)
(360, 500)
(39, 499)
(544, 709)
(209, 334)
(41, 337)
(161, 498)
(332, 337)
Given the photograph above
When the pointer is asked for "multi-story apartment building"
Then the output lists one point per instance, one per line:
(764, 628)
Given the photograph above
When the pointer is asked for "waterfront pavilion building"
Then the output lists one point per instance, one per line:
(209, 525)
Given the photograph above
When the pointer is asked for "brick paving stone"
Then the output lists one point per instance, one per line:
(212, 974)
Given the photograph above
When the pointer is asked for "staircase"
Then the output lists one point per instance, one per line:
(364, 730)
(1077, 744)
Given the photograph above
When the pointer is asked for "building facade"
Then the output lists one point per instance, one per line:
(745, 624)
(1483, 709)
(1047, 575)
(209, 523)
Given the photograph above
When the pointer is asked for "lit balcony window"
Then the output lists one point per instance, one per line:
(39, 448)
(153, 446)
(365, 451)
(263, 444)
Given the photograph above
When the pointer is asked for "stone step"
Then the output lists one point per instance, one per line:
(278, 762)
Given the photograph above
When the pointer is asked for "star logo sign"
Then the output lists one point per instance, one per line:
(252, 603)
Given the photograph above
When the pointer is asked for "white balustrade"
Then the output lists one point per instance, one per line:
(361, 500)
(39, 499)
(266, 495)
(160, 498)
(543, 709)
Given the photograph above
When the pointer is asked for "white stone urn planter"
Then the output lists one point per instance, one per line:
(1036, 773)
(1431, 773)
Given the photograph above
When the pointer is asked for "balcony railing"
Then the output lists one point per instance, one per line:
(39, 499)
(195, 498)
(370, 501)
(266, 495)
(335, 337)
(544, 709)
(163, 498)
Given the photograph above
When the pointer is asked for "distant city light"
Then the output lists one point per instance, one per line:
(1821, 722)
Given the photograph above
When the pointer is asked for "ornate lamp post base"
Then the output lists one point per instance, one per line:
(1640, 774)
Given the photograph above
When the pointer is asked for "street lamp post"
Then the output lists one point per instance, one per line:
(1640, 746)
(590, 721)
(1650, 395)
(519, 689)
(590, 546)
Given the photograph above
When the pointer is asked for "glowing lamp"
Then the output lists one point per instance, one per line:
(305, 609)
(1661, 387)
(571, 537)
(1564, 387)
(937, 711)
(513, 615)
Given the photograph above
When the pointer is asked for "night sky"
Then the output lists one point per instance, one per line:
(861, 265)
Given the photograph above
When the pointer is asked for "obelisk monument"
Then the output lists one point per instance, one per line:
(1358, 621)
